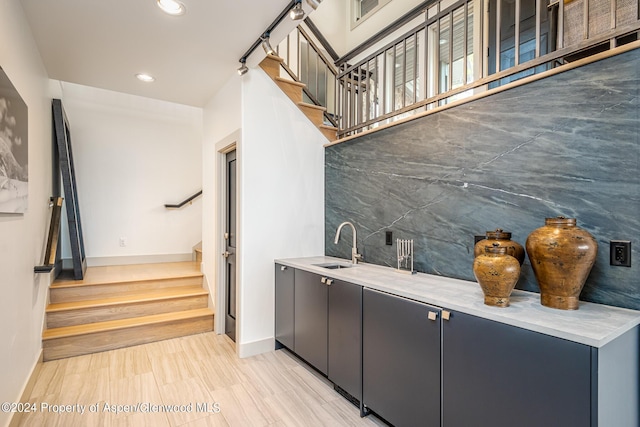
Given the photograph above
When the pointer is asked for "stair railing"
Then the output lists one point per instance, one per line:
(465, 47)
(305, 62)
(184, 202)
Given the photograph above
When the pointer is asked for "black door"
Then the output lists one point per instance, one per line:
(230, 247)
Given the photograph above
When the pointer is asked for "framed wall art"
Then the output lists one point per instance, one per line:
(14, 149)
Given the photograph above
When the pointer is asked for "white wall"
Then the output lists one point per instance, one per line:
(132, 155)
(333, 18)
(281, 202)
(22, 237)
(221, 117)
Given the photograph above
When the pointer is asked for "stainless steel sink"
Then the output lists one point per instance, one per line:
(334, 265)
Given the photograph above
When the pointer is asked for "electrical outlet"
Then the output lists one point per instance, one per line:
(388, 238)
(123, 242)
(620, 253)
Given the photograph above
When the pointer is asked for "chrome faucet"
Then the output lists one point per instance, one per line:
(355, 256)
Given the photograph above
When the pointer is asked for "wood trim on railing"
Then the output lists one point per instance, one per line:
(561, 69)
(184, 202)
(550, 57)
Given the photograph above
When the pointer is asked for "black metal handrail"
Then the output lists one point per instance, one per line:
(184, 202)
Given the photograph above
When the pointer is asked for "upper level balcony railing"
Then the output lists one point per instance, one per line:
(465, 47)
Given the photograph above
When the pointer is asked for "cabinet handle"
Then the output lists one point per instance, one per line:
(433, 315)
(446, 314)
(329, 282)
(283, 267)
(323, 280)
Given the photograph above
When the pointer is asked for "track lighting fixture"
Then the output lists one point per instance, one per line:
(266, 45)
(296, 12)
(314, 3)
(293, 9)
(243, 67)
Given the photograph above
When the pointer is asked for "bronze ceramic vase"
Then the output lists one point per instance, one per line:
(503, 238)
(561, 256)
(497, 273)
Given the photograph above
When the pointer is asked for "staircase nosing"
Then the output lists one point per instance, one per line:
(274, 58)
(120, 324)
(314, 106)
(291, 82)
(65, 285)
(180, 292)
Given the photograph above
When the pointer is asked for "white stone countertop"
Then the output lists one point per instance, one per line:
(592, 324)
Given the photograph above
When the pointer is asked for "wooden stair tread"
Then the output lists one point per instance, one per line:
(152, 295)
(112, 325)
(274, 58)
(328, 127)
(291, 82)
(132, 273)
(312, 106)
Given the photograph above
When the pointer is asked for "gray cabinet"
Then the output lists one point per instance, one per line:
(502, 376)
(345, 337)
(418, 365)
(284, 305)
(311, 318)
(401, 359)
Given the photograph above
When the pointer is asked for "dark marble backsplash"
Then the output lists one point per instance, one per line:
(566, 145)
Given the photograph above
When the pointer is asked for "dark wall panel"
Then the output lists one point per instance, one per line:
(565, 145)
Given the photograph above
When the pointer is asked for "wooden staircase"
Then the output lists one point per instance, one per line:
(121, 306)
(294, 89)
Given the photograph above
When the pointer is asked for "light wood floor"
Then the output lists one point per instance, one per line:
(272, 389)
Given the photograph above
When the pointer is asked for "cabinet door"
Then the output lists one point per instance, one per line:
(310, 328)
(401, 360)
(345, 337)
(502, 376)
(284, 305)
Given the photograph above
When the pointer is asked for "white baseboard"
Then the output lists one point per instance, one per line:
(256, 347)
(134, 259)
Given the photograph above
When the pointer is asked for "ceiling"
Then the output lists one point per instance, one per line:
(105, 43)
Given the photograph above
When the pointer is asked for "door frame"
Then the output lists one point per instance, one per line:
(226, 145)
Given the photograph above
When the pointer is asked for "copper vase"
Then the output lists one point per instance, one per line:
(503, 238)
(561, 255)
(497, 272)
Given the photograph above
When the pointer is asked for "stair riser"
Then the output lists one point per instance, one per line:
(110, 340)
(83, 316)
(330, 134)
(315, 115)
(83, 293)
(292, 91)
(271, 67)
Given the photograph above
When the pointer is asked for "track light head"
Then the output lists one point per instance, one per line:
(266, 45)
(242, 70)
(296, 13)
(314, 3)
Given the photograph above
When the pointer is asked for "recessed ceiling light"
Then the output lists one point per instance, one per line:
(172, 7)
(143, 77)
